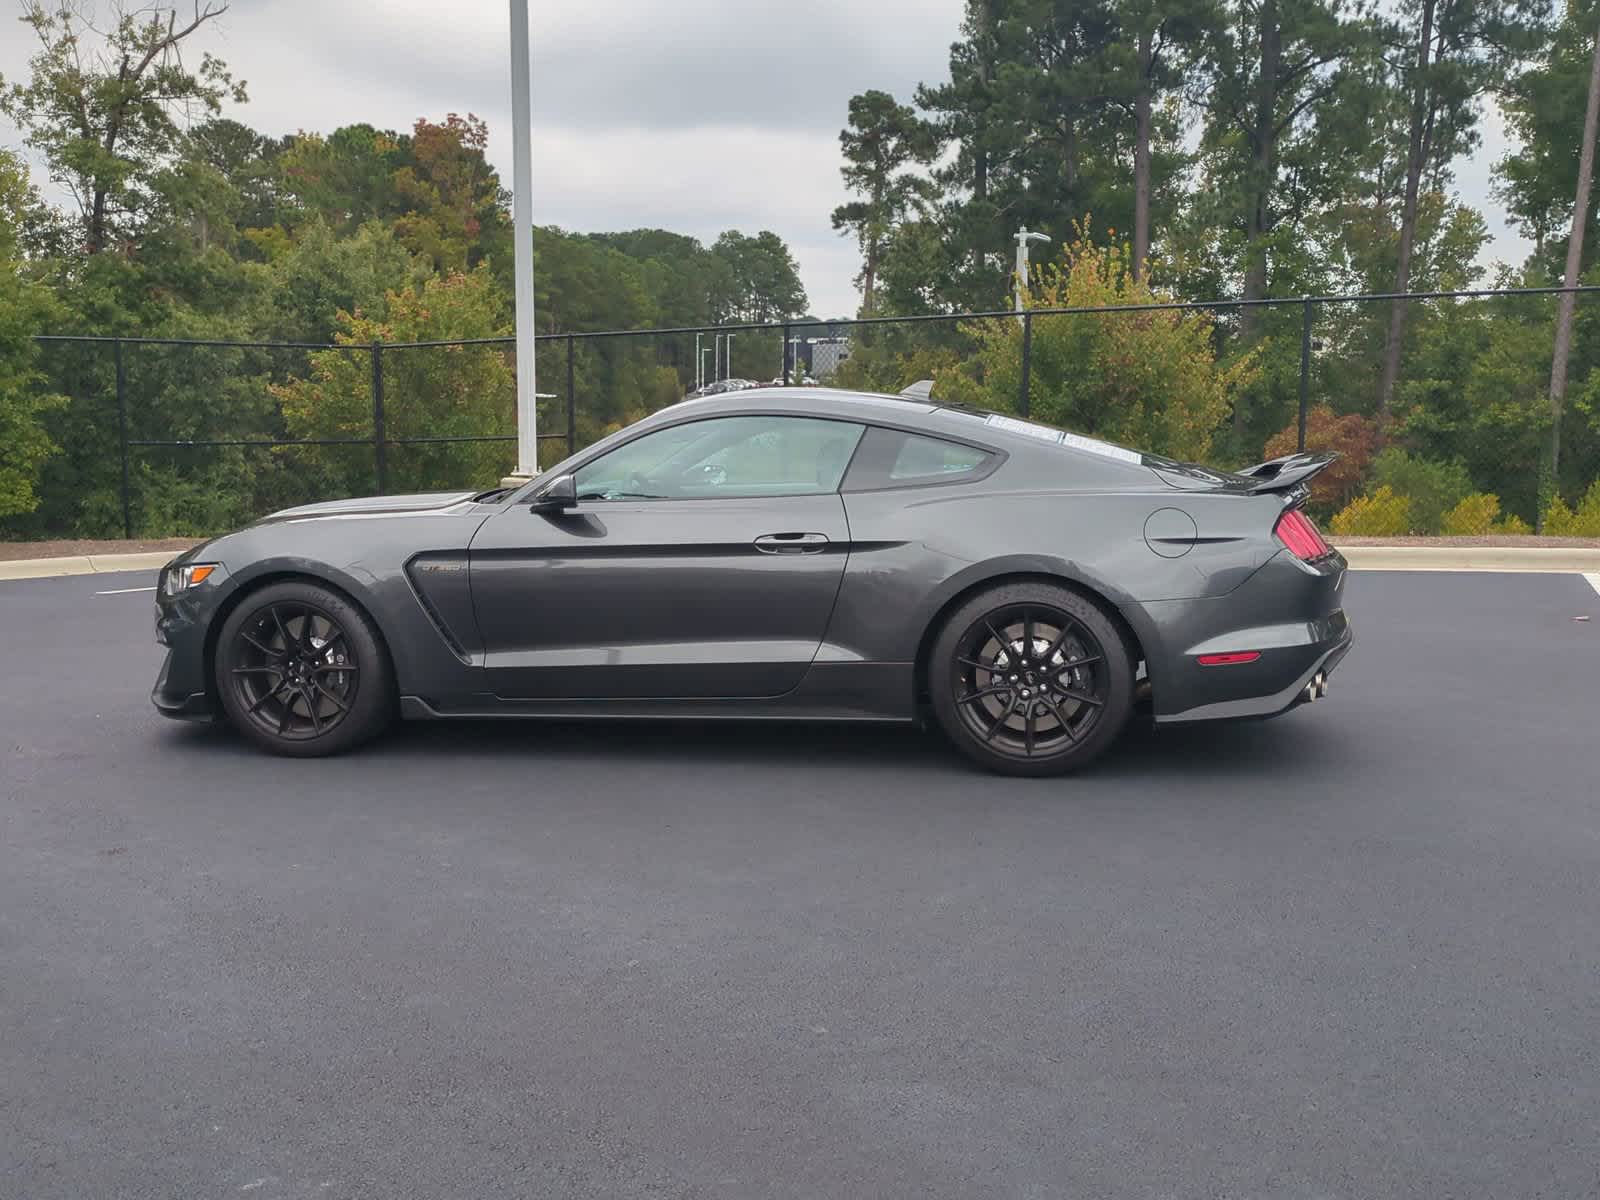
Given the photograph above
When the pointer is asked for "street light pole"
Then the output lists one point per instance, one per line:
(699, 365)
(522, 232)
(727, 359)
(1024, 237)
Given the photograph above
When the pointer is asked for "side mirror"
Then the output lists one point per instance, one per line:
(559, 494)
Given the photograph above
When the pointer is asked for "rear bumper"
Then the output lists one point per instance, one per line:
(1289, 615)
(1291, 695)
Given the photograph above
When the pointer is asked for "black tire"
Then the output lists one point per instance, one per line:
(1031, 679)
(301, 671)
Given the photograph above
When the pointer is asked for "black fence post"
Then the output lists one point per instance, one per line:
(380, 443)
(1305, 369)
(785, 352)
(572, 402)
(1027, 363)
(122, 437)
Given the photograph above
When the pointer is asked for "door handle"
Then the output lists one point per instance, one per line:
(791, 543)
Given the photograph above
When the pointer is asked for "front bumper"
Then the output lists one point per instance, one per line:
(182, 690)
(176, 696)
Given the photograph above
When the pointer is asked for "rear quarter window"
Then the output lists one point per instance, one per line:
(893, 458)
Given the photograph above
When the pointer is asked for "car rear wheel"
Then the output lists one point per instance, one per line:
(1031, 679)
(300, 671)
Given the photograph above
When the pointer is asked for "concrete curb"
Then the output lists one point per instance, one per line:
(1562, 560)
(84, 564)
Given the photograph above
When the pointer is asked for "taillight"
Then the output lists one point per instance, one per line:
(1299, 535)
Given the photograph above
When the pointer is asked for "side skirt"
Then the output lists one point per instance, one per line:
(875, 692)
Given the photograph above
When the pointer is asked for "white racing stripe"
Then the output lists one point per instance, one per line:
(124, 591)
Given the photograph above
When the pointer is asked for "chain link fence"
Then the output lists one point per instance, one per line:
(171, 436)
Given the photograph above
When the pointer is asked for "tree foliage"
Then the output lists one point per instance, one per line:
(104, 108)
(1191, 150)
(1147, 379)
(25, 307)
(1351, 436)
(432, 392)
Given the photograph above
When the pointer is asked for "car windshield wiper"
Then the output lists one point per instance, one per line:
(493, 494)
(619, 496)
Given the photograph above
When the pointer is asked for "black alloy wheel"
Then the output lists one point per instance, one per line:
(300, 671)
(1031, 679)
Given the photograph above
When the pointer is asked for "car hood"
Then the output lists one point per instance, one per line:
(371, 506)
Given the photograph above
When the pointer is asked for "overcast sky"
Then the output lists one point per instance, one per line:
(695, 116)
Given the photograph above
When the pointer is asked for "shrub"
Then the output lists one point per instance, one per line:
(1513, 525)
(1352, 436)
(1473, 517)
(1433, 487)
(1561, 521)
(1145, 379)
(1382, 513)
(434, 392)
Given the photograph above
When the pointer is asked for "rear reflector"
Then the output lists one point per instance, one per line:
(1300, 537)
(1228, 660)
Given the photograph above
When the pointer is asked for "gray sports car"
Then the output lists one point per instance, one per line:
(778, 553)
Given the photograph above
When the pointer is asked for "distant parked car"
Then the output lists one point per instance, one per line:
(786, 552)
(720, 386)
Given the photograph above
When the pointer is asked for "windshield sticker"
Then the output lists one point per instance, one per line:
(1103, 449)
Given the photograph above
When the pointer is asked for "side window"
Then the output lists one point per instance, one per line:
(728, 457)
(891, 458)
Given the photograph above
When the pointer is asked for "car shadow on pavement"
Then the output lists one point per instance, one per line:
(1287, 745)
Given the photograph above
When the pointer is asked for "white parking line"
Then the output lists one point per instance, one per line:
(1594, 579)
(124, 591)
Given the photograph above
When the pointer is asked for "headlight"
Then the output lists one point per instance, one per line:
(181, 579)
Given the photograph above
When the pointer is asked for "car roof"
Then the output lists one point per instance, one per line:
(973, 424)
(805, 401)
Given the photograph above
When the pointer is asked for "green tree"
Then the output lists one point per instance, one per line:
(1277, 70)
(764, 280)
(25, 309)
(1148, 379)
(883, 145)
(1160, 40)
(104, 109)
(1032, 132)
(1544, 111)
(455, 214)
(432, 392)
(1448, 53)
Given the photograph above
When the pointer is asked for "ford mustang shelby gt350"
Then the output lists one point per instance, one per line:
(779, 552)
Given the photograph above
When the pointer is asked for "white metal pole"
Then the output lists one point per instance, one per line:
(1020, 275)
(699, 365)
(522, 231)
(727, 360)
(1020, 272)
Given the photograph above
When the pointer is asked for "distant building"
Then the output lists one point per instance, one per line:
(822, 356)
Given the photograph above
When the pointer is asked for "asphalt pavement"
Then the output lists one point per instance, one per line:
(1353, 952)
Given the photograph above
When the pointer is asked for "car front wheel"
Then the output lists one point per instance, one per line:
(301, 671)
(1031, 679)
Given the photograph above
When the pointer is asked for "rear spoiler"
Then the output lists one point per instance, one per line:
(1286, 473)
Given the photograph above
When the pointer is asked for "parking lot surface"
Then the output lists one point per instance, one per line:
(1348, 953)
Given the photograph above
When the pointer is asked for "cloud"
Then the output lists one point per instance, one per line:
(697, 116)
